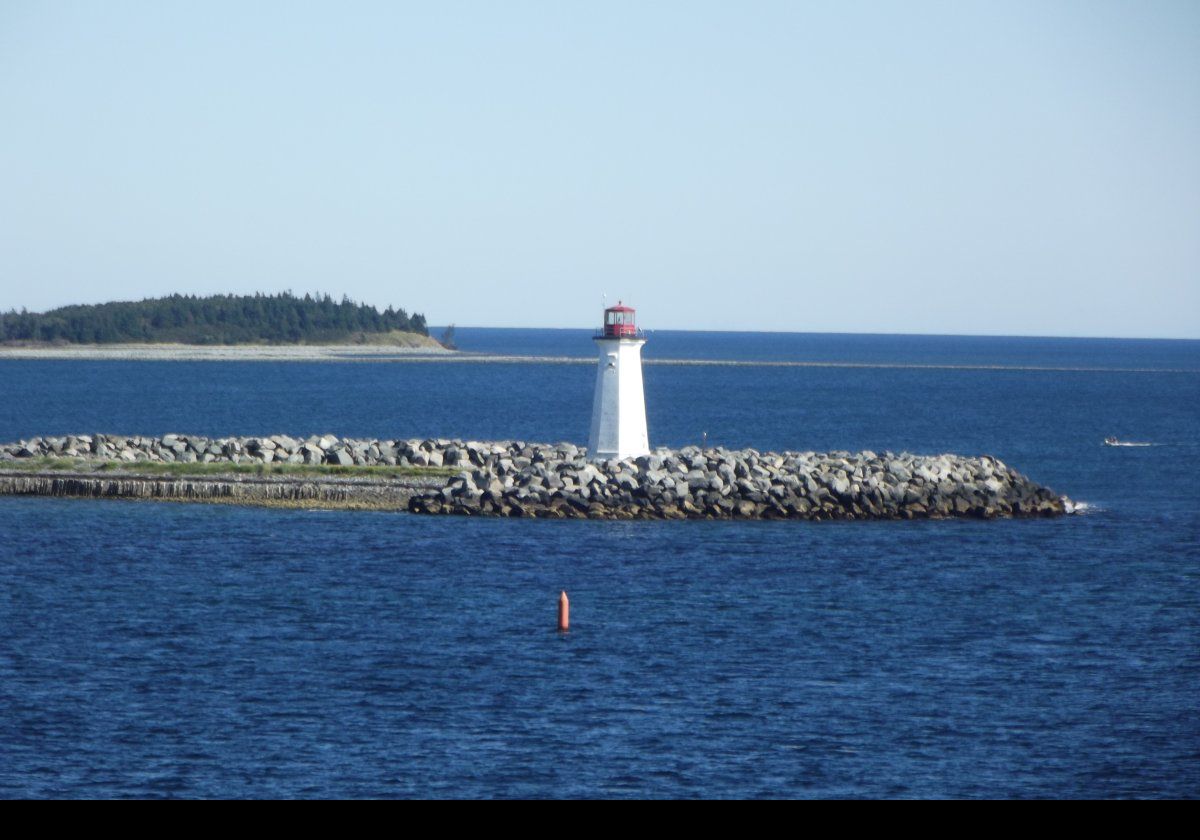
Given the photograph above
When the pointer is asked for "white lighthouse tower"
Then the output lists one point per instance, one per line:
(619, 404)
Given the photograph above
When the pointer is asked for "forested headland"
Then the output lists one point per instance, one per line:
(216, 319)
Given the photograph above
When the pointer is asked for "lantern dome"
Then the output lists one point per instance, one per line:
(619, 322)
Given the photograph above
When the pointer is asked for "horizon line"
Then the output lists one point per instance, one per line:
(433, 326)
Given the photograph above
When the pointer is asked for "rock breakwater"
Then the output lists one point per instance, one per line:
(192, 449)
(691, 483)
(515, 478)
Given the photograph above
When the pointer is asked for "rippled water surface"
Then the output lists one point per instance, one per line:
(188, 650)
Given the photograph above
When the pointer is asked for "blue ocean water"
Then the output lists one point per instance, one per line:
(955, 350)
(187, 650)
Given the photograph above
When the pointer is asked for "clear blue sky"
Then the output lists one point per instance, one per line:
(1027, 168)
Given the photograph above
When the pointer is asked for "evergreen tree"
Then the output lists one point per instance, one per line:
(219, 319)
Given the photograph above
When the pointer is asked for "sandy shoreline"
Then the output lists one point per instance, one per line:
(226, 353)
(379, 353)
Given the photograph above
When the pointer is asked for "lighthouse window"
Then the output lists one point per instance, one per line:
(618, 318)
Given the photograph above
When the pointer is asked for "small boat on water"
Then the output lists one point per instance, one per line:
(1112, 441)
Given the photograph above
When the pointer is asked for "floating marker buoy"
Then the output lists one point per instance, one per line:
(564, 613)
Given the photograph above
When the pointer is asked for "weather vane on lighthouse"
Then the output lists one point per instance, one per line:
(619, 405)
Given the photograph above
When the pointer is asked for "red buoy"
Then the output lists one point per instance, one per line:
(564, 613)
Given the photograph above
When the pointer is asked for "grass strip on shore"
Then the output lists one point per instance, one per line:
(216, 468)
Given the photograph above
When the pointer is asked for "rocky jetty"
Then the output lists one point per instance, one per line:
(515, 478)
(692, 483)
(279, 449)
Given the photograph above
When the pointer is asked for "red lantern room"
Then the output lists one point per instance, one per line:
(619, 322)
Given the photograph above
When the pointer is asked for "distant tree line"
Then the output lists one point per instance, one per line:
(218, 319)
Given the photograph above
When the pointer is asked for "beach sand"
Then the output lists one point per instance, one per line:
(226, 353)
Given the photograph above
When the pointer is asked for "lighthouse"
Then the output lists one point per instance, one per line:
(619, 404)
